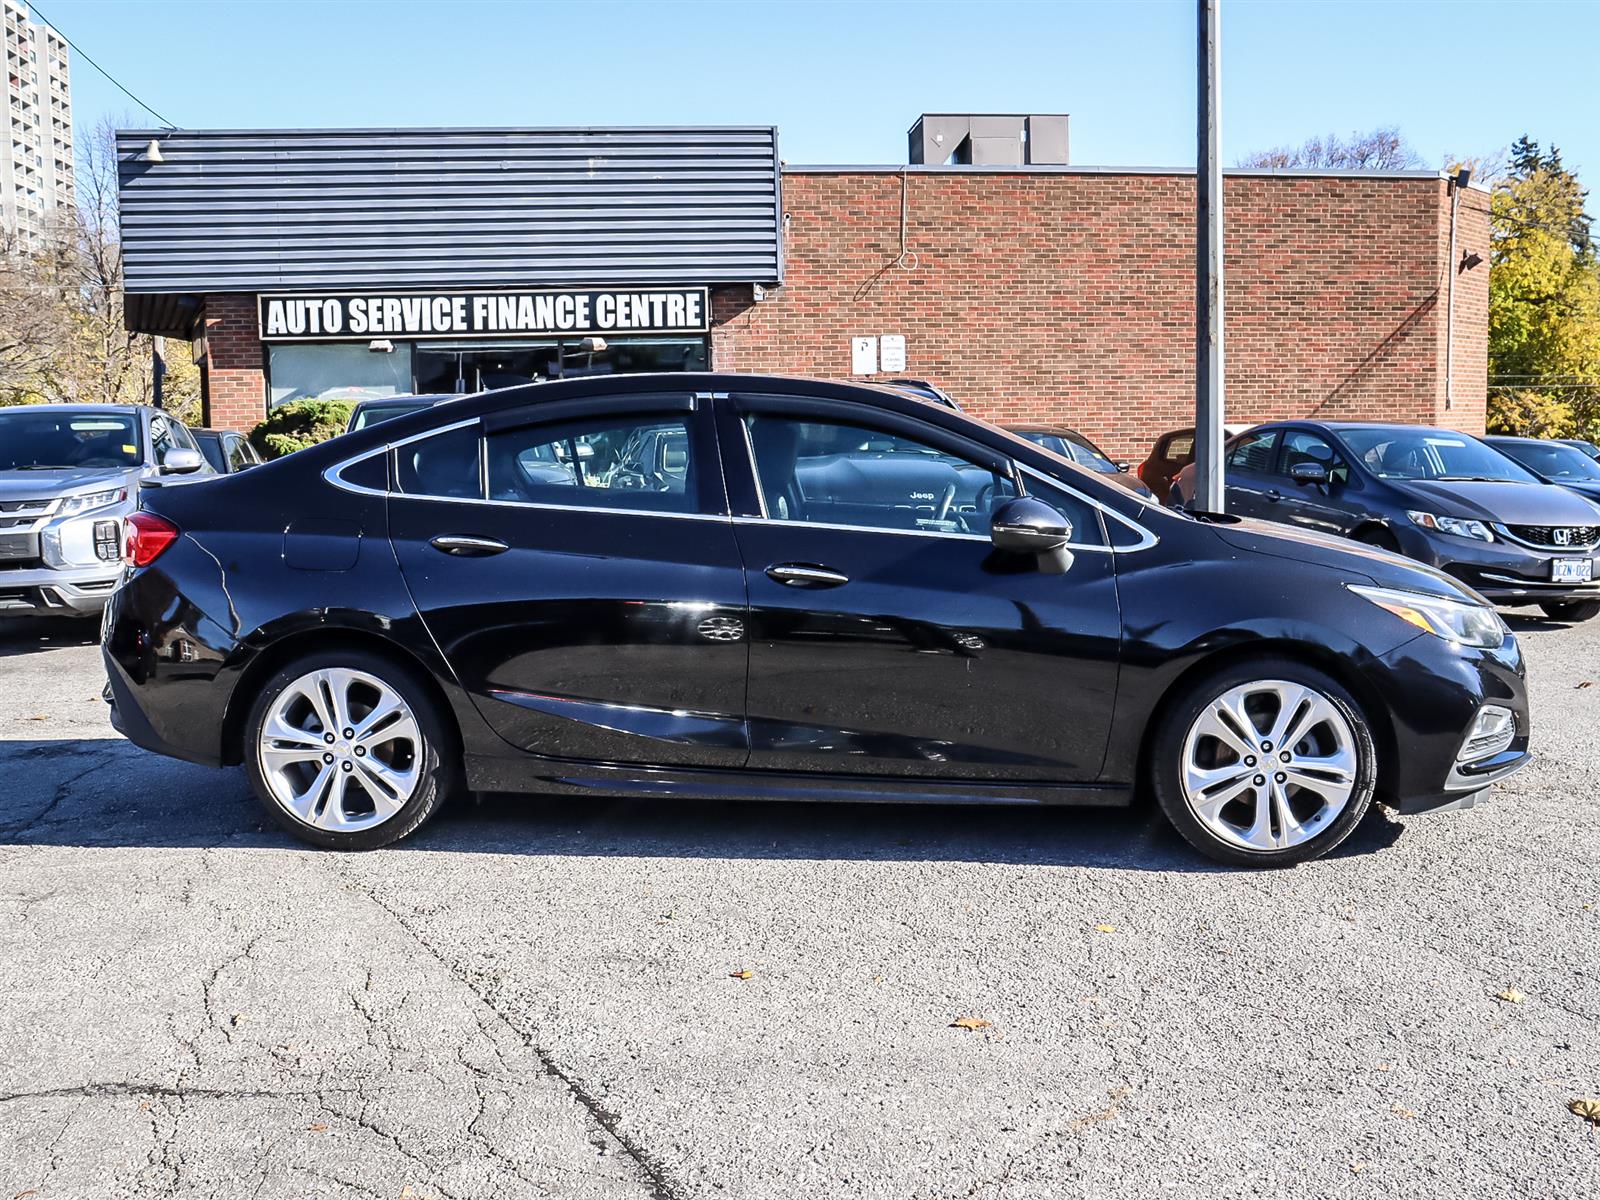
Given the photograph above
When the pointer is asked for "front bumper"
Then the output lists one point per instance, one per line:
(1434, 690)
(1500, 571)
(78, 592)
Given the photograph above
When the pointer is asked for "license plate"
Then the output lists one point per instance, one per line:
(1571, 570)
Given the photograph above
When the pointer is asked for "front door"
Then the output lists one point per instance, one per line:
(888, 636)
(1316, 506)
(576, 566)
(1252, 489)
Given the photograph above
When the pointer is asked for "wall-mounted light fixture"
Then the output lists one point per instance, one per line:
(152, 152)
(1469, 259)
(381, 346)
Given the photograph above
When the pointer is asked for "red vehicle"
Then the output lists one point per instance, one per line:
(1172, 453)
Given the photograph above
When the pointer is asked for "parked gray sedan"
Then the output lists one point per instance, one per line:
(68, 475)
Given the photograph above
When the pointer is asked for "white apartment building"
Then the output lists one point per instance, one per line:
(36, 146)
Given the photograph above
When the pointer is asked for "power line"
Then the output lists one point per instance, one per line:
(166, 124)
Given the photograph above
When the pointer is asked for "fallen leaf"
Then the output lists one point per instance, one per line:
(1105, 928)
(1401, 1111)
(970, 1023)
(29, 1192)
(1357, 1167)
(1588, 1109)
(41, 717)
(319, 1127)
(1385, 1066)
(1584, 684)
(741, 974)
(1510, 996)
(235, 1019)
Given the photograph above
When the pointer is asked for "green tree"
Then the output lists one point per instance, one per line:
(299, 424)
(1544, 300)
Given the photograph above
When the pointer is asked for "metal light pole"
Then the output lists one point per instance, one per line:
(1208, 358)
(158, 371)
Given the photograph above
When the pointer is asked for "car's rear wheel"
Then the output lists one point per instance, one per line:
(347, 750)
(1269, 762)
(1571, 610)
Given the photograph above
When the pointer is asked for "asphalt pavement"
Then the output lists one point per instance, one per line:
(548, 997)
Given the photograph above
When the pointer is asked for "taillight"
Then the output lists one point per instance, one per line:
(145, 537)
(1140, 472)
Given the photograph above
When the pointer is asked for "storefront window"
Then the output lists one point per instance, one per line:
(350, 371)
(337, 372)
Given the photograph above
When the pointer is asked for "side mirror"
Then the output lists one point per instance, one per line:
(179, 461)
(1028, 526)
(1308, 472)
(1123, 467)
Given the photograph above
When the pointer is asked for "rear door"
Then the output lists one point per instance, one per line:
(888, 635)
(576, 565)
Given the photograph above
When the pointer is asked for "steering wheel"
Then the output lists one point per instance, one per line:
(945, 501)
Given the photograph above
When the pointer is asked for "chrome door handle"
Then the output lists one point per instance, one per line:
(805, 575)
(468, 547)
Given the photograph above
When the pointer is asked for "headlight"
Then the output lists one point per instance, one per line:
(1460, 526)
(92, 500)
(1459, 621)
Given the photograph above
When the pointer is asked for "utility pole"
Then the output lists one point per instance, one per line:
(158, 370)
(1208, 358)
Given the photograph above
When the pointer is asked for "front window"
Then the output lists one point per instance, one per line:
(42, 441)
(1553, 460)
(348, 371)
(830, 473)
(1431, 454)
(1074, 448)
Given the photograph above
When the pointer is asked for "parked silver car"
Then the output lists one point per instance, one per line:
(69, 473)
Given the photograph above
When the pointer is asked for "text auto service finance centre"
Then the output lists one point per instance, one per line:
(360, 263)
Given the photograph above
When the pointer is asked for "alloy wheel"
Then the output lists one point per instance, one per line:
(340, 750)
(1269, 765)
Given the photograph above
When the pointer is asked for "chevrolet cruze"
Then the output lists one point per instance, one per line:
(744, 587)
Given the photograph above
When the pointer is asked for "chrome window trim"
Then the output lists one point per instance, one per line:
(1146, 538)
(936, 533)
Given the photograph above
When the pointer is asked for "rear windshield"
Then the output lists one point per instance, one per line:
(388, 412)
(1430, 454)
(42, 441)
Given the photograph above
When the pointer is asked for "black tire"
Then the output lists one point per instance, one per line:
(1379, 537)
(1167, 749)
(1571, 610)
(438, 772)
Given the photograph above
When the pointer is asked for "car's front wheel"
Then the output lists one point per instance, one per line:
(1571, 610)
(1268, 762)
(347, 750)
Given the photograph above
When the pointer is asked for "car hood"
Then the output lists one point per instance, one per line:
(1355, 560)
(1504, 503)
(31, 485)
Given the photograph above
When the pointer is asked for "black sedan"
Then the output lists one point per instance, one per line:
(1436, 495)
(748, 587)
(1553, 462)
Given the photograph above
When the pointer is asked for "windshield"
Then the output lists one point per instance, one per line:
(1430, 454)
(377, 414)
(1074, 448)
(1552, 460)
(41, 441)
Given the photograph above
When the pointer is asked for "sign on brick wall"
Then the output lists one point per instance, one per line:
(359, 317)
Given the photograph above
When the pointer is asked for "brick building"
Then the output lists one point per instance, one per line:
(1027, 292)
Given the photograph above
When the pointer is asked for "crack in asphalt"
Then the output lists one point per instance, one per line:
(653, 1172)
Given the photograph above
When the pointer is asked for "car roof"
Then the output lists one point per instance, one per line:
(1041, 427)
(1347, 426)
(124, 409)
(408, 398)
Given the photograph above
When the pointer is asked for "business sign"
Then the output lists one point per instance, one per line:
(415, 316)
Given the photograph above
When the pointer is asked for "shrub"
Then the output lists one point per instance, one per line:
(299, 424)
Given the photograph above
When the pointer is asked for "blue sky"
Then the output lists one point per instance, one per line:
(843, 81)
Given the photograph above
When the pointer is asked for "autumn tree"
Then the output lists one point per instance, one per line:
(62, 335)
(1544, 300)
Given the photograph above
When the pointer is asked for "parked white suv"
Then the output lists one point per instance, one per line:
(69, 473)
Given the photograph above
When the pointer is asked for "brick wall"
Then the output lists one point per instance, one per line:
(1070, 296)
(236, 389)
